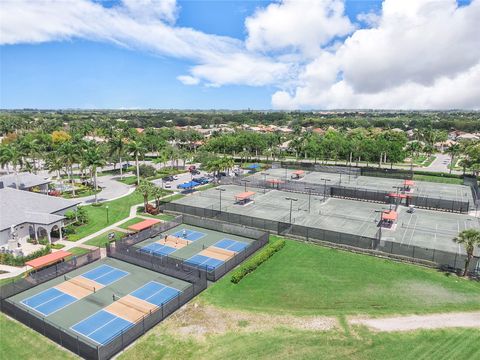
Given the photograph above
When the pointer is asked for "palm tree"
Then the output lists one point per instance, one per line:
(137, 149)
(453, 150)
(146, 188)
(469, 239)
(413, 148)
(117, 147)
(158, 193)
(70, 154)
(94, 158)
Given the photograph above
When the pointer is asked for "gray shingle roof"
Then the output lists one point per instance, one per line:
(19, 206)
(25, 180)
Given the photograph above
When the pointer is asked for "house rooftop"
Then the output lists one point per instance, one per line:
(18, 207)
(25, 180)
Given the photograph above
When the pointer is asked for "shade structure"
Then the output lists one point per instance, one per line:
(389, 215)
(245, 195)
(409, 183)
(401, 196)
(299, 172)
(49, 259)
(275, 181)
(188, 185)
(142, 225)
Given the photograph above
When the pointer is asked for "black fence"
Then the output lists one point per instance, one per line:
(35, 278)
(472, 181)
(351, 193)
(42, 325)
(370, 244)
(151, 232)
(171, 265)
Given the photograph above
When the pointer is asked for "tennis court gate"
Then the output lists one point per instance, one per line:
(427, 256)
(351, 193)
(43, 326)
(126, 250)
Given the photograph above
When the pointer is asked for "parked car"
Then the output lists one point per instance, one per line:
(201, 180)
(168, 178)
(192, 168)
(195, 172)
(167, 185)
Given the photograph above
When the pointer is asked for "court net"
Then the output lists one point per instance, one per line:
(137, 306)
(79, 283)
(175, 239)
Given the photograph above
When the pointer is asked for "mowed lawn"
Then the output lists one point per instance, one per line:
(286, 344)
(305, 279)
(117, 210)
(20, 342)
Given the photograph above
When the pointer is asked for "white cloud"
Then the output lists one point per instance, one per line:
(188, 80)
(294, 25)
(422, 54)
(413, 54)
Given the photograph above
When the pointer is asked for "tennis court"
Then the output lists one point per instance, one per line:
(421, 188)
(115, 318)
(424, 228)
(204, 248)
(98, 301)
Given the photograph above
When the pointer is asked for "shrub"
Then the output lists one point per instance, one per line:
(57, 246)
(9, 259)
(146, 170)
(254, 262)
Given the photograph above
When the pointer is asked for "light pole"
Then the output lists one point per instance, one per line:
(397, 195)
(380, 225)
(108, 220)
(265, 182)
(220, 190)
(340, 178)
(291, 206)
(324, 188)
(245, 181)
(309, 197)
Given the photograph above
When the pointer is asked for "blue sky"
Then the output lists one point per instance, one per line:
(94, 71)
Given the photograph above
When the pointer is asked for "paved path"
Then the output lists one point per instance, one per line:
(111, 190)
(416, 322)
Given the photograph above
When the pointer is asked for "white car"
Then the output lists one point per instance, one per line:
(167, 185)
(175, 177)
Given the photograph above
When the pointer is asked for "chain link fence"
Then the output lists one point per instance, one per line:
(172, 265)
(429, 256)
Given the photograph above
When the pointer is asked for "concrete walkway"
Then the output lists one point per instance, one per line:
(112, 189)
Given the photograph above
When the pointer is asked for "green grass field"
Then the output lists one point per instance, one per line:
(102, 239)
(117, 210)
(282, 343)
(438, 179)
(304, 279)
(20, 342)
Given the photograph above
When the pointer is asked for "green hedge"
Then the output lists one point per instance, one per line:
(9, 259)
(254, 262)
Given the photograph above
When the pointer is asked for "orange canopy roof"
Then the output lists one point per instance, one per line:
(244, 195)
(299, 172)
(389, 215)
(49, 259)
(275, 181)
(142, 225)
(409, 183)
(401, 196)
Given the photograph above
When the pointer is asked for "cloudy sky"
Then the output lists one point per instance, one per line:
(290, 54)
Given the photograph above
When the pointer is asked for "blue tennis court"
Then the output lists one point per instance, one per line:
(156, 293)
(105, 274)
(191, 235)
(101, 326)
(232, 245)
(49, 301)
(204, 262)
(157, 249)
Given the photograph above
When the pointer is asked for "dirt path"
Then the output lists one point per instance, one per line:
(199, 321)
(416, 322)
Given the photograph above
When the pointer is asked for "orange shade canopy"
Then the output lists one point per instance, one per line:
(245, 195)
(142, 225)
(389, 215)
(49, 259)
(275, 181)
(299, 172)
(409, 183)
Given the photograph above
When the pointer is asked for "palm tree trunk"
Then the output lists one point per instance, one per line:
(138, 170)
(121, 168)
(467, 264)
(72, 180)
(451, 164)
(95, 182)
